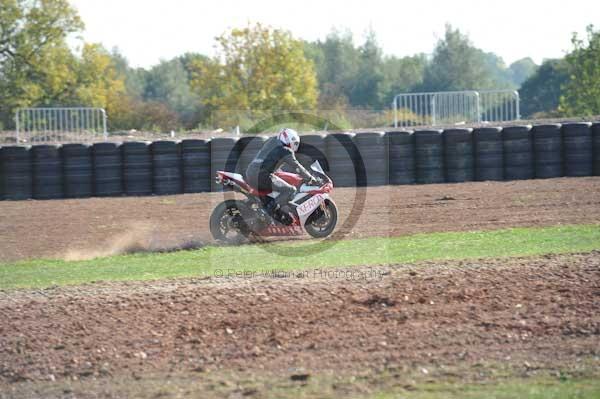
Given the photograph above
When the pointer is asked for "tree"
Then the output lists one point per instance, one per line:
(362, 76)
(32, 44)
(500, 77)
(49, 82)
(28, 27)
(169, 83)
(98, 82)
(257, 68)
(135, 78)
(581, 95)
(457, 65)
(402, 75)
(351, 76)
(336, 63)
(366, 89)
(540, 94)
(137, 114)
(521, 70)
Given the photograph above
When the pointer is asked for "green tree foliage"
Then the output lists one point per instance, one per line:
(367, 86)
(169, 83)
(521, 70)
(361, 76)
(457, 65)
(257, 68)
(500, 77)
(28, 27)
(540, 94)
(336, 62)
(402, 75)
(37, 68)
(34, 58)
(98, 81)
(581, 95)
(134, 113)
(135, 78)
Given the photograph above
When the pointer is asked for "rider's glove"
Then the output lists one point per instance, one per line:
(315, 181)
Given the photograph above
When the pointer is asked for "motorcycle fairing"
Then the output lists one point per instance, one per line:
(304, 209)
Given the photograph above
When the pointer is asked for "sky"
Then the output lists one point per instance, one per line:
(146, 31)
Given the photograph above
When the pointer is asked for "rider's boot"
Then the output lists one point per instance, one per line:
(283, 200)
(271, 206)
(279, 207)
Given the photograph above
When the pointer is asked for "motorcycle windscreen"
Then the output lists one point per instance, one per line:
(316, 166)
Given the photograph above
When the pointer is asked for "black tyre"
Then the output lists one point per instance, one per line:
(137, 168)
(47, 172)
(166, 167)
(108, 169)
(518, 153)
(15, 173)
(195, 156)
(489, 153)
(578, 149)
(227, 223)
(322, 222)
(342, 155)
(401, 153)
(458, 152)
(77, 170)
(429, 150)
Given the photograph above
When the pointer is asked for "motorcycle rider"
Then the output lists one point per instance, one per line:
(277, 151)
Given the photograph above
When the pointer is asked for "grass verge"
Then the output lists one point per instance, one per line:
(212, 260)
(517, 388)
(222, 385)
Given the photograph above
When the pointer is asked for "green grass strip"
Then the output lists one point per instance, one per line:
(371, 251)
(530, 389)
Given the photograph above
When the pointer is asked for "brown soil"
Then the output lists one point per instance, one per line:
(96, 226)
(541, 312)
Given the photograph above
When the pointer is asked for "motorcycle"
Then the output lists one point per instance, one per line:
(311, 210)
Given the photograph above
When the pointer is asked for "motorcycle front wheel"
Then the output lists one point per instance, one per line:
(322, 222)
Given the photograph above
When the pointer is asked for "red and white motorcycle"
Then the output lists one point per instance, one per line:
(311, 210)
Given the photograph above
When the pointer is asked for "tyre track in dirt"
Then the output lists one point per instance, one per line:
(33, 229)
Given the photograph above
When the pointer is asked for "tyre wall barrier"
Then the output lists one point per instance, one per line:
(342, 155)
(577, 143)
(547, 151)
(77, 170)
(15, 173)
(362, 159)
(596, 148)
(312, 148)
(108, 169)
(429, 149)
(373, 149)
(489, 153)
(458, 155)
(166, 168)
(47, 172)
(518, 153)
(195, 158)
(137, 168)
(224, 154)
(248, 147)
(401, 157)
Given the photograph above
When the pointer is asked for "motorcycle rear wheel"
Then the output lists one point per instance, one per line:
(227, 223)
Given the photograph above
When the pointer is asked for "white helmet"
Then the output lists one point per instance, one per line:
(289, 138)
